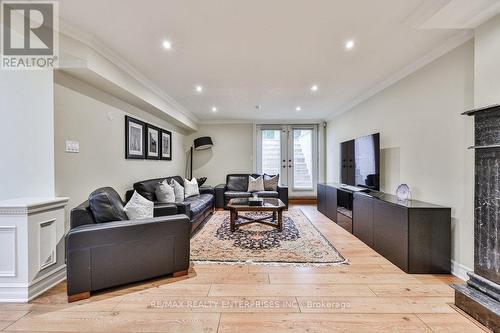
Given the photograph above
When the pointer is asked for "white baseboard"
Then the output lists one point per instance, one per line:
(23, 292)
(459, 270)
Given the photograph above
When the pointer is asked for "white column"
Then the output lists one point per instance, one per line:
(26, 134)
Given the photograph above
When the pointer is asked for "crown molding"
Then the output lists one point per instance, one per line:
(259, 122)
(449, 45)
(98, 46)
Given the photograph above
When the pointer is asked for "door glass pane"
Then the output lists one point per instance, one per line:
(271, 152)
(302, 158)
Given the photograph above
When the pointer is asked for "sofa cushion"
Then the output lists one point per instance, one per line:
(255, 184)
(237, 194)
(200, 203)
(237, 183)
(106, 205)
(164, 192)
(271, 182)
(178, 190)
(139, 207)
(147, 188)
(267, 194)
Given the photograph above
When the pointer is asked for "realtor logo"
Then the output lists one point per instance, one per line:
(29, 34)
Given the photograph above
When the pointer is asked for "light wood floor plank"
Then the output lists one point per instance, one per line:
(243, 323)
(354, 278)
(401, 290)
(450, 322)
(118, 322)
(275, 290)
(165, 304)
(376, 304)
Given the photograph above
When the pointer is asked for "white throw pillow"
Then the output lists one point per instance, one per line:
(165, 192)
(255, 184)
(178, 190)
(139, 207)
(191, 188)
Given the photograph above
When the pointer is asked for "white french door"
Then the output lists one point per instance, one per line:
(292, 152)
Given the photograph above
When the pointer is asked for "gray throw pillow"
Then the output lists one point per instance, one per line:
(271, 182)
(255, 184)
(139, 207)
(165, 192)
(178, 190)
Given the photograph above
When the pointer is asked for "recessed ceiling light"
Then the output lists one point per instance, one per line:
(298, 108)
(199, 89)
(349, 44)
(314, 88)
(214, 109)
(167, 45)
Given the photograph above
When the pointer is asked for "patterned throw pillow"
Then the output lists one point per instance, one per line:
(165, 192)
(179, 191)
(255, 184)
(271, 182)
(191, 188)
(139, 207)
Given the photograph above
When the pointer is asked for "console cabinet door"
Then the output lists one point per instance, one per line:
(362, 218)
(331, 203)
(322, 198)
(390, 233)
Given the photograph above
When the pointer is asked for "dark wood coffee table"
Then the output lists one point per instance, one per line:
(273, 205)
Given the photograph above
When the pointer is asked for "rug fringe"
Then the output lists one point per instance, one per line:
(275, 264)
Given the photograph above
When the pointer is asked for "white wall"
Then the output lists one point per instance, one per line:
(27, 134)
(424, 139)
(486, 63)
(97, 121)
(232, 152)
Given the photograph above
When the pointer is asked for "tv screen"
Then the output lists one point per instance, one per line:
(367, 161)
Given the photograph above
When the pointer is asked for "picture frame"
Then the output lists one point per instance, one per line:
(152, 142)
(166, 145)
(134, 138)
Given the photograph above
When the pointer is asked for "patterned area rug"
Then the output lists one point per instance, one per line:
(300, 243)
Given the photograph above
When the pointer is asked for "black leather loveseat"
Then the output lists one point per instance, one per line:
(236, 186)
(197, 208)
(118, 251)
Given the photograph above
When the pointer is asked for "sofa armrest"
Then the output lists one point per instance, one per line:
(207, 190)
(105, 247)
(184, 208)
(219, 195)
(283, 194)
(165, 209)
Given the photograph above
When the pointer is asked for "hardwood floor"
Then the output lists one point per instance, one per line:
(369, 295)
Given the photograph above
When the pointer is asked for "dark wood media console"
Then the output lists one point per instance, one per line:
(413, 235)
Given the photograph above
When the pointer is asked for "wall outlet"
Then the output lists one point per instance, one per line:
(72, 146)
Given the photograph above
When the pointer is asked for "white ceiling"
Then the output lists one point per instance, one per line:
(260, 52)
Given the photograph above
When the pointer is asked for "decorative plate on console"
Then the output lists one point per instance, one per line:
(403, 192)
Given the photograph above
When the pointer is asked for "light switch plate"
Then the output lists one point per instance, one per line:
(72, 146)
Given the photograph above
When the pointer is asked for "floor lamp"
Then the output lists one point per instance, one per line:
(205, 142)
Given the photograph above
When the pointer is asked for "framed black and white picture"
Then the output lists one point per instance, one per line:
(152, 142)
(166, 145)
(134, 138)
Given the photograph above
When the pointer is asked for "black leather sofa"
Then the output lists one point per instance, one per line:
(197, 208)
(109, 254)
(236, 186)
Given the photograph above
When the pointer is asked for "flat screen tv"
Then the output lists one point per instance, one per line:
(367, 161)
(360, 162)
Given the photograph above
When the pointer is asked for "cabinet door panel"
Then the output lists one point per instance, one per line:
(331, 203)
(362, 218)
(390, 233)
(321, 198)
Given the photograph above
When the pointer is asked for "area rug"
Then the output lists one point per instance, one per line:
(300, 243)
